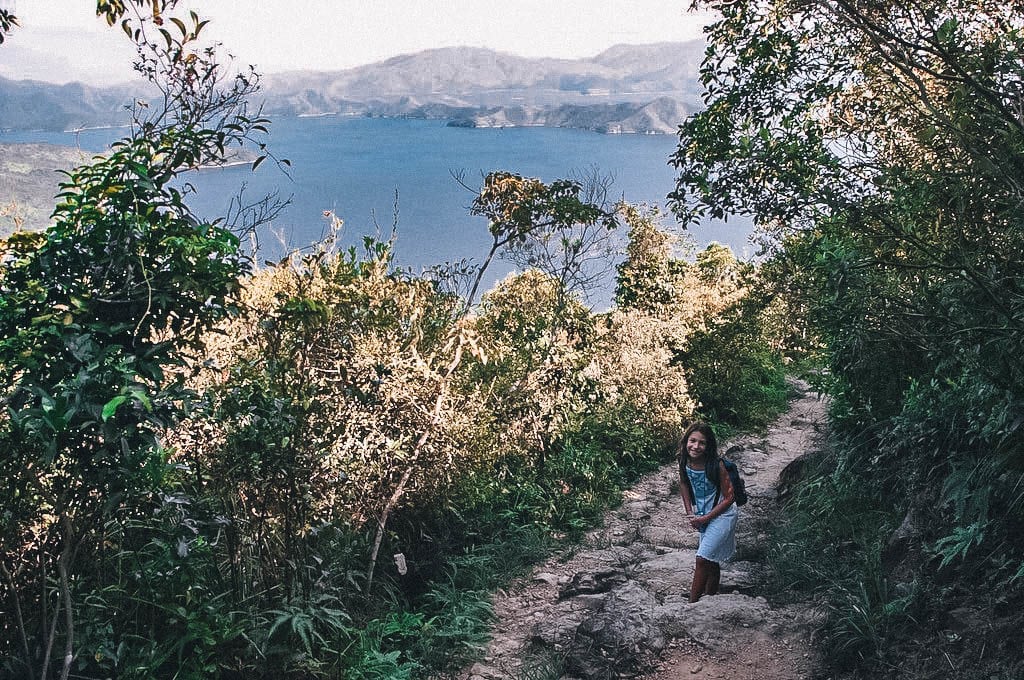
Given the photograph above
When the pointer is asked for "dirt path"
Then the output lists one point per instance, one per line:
(616, 605)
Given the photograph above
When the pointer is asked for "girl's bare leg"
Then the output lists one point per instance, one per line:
(714, 570)
(700, 579)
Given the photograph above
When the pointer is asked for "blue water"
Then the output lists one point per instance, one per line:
(355, 166)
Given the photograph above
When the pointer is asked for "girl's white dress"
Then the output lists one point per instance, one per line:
(718, 537)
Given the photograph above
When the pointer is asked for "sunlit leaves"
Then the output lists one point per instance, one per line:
(516, 205)
(560, 228)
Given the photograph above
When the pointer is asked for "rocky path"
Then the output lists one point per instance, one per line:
(616, 606)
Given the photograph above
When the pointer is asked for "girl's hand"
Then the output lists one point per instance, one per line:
(697, 521)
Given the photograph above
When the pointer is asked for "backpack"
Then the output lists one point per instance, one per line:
(739, 487)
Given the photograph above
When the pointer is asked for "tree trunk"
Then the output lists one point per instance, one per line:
(399, 491)
(18, 617)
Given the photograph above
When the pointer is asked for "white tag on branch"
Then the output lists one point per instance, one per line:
(403, 568)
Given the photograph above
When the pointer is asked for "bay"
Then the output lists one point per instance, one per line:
(376, 172)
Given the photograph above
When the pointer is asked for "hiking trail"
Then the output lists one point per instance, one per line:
(615, 606)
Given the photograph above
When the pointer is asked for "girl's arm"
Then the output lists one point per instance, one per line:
(684, 491)
(726, 492)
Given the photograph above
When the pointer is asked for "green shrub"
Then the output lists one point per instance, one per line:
(745, 389)
(863, 618)
(377, 652)
(460, 621)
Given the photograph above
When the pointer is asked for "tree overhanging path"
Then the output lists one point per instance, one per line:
(616, 606)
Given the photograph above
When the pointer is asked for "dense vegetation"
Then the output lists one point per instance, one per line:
(320, 468)
(880, 148)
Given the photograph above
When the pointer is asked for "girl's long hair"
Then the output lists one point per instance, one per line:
(710, 450)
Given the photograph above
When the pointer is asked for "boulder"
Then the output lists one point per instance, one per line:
(619, 638)
(716, 622)
(591, 582)
(554, 633)
(744, 577)
(636, 511)
(668, 573)
(903, 548)
(792, 475)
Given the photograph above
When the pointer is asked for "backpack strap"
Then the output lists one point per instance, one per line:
(716, 478)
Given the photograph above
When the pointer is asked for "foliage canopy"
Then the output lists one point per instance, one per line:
(879, 148)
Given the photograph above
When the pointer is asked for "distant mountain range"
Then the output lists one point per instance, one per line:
(36, 105)
(627, 88)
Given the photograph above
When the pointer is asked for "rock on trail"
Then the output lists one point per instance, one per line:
(616, 605)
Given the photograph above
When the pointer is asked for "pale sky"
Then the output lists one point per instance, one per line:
(62, 40)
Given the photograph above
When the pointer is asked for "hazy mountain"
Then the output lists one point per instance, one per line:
(35, 105)
(662, 115)
(627, 88)
(470, 72)
(474, 84)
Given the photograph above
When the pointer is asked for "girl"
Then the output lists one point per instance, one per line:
(708, 496)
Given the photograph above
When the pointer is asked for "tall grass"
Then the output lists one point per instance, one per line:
(828, 545)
